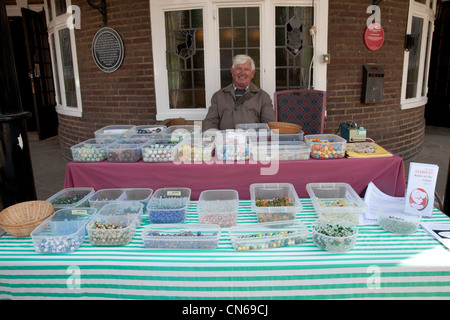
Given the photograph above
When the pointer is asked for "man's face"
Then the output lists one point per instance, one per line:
(242, 74)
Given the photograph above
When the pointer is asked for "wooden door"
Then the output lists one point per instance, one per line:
(40, 73)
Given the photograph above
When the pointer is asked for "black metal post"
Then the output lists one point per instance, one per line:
(16, 171)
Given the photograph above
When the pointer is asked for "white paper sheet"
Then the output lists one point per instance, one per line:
(373, 198)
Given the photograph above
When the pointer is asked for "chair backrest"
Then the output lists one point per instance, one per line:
(303, 107)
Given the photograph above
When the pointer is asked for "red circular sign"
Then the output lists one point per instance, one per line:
(374, 36)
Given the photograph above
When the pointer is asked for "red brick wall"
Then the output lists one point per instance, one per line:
(401, 131)
(127, 96)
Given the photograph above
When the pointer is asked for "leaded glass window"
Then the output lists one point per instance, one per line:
(294, 47)
(185, 58)
(239, 32)
(67, 67)
(414, 59)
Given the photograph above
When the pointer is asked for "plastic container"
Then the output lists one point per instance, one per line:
(91, 150)
(280, 151)
(147, 131)
(287, 136)
(63, 232)
(274, 201)
(169, 205)
(268, 235)
(186, 152)
(126, 150)
(107, 229)
(334, 235)
(392, 218)
(182, 132)
(232, 145)
(181, 236)
(139, 195)
(71, 197)
(68, 220)
(124, 208)
(209, 135)
(336, 201)
(158, 150)
(326, 146)
(102, 197)
(255, 132)
(113, 132)
(218, 207)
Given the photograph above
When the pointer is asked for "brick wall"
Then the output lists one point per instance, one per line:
(401, 131)
(127, 96)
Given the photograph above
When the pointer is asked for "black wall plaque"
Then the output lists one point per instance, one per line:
(107, 50)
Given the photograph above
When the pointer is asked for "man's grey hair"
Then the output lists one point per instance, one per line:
(241, 59)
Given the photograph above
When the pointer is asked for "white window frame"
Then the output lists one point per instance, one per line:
(427, 13)
(53, 26)
(212, 55)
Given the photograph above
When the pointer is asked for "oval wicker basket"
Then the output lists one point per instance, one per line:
(22, 218)
(285, 127)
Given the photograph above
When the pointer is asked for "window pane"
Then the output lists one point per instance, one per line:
(425, 67)
(239, 32)
(60, 7)
(185, 58)
(56, 68)
(49, 10)
(414, 59)
(293, 47)
(67, 67)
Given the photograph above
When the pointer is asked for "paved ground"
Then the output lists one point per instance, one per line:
(49, 165)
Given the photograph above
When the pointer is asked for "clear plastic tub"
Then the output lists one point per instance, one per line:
(91, 150)
(158, 150)
(107, 229)
(169, 205)
(68, 220)
(182, 132)
(280, 151)
(63, 232)
(187, 152)
(232, 145)
(128, 208)
(287, 136)
(394, 219)
(218, 207)
(102, 197)
(147, 131)
(274, 201)
(181, 236)
(326, 146)
(255, 132)
(268, 235)
(114, 132)
(336, 201)
(126, 150)
(334, 235)
(71, 197)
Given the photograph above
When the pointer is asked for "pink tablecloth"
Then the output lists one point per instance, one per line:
(388, 174)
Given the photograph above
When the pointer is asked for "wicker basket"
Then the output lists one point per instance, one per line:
(284, 127)
(22, 218)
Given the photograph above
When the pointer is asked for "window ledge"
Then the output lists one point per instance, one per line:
(68, 111)
(414, 104)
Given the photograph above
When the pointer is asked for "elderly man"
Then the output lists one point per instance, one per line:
(240, 102)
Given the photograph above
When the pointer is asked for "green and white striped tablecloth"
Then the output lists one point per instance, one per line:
(382, 265)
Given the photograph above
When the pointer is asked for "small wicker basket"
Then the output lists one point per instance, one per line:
(284, 127)
(22, 218)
